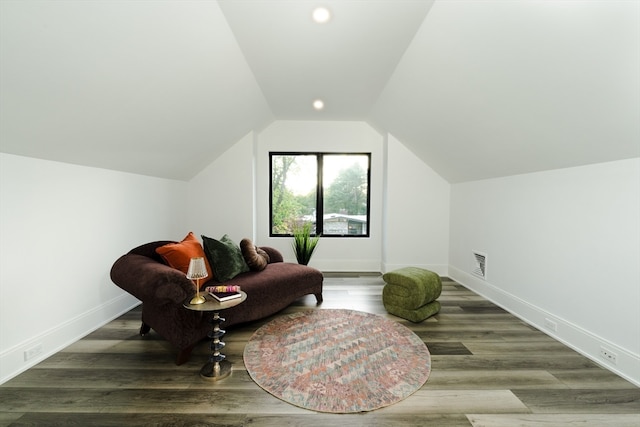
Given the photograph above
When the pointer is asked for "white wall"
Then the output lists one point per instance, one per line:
(416, 225)
(221, 196)
(62, 226)
(332, 254)
(232, 197)
(562, 245)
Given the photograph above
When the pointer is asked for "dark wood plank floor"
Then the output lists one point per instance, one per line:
(488, 369)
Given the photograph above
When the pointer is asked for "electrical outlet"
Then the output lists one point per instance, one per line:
(551, 325)
(32, 352)
(608, 355)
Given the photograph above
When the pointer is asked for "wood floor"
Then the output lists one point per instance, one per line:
(488, 369)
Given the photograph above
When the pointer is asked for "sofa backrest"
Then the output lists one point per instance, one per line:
(149, 250)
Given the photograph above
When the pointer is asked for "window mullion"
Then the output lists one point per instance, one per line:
(319, 197)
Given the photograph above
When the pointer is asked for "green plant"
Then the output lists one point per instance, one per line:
(303, 243)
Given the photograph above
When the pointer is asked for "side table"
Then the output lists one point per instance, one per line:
(217, 367)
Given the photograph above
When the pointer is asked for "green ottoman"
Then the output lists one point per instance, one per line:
(411, 293)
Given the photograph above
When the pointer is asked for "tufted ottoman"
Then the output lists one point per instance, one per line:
(411, 293)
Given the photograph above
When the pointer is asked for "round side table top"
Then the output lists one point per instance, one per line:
(212, 304)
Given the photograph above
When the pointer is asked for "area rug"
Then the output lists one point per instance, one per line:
(338, 361)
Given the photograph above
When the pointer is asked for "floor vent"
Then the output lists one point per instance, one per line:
(480, 264)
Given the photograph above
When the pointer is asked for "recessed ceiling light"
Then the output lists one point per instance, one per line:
(321, 15)
(318, 104)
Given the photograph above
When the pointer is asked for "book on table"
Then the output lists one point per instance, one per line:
(224, 293)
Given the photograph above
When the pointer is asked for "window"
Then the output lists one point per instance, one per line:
(329, 190)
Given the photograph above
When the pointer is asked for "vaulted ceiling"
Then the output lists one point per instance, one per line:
(477, 89)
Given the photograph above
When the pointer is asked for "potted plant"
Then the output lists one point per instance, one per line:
(303, 243)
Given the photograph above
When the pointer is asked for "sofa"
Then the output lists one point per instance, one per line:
(163, 289)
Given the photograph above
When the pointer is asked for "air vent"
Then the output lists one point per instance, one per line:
(480, 264)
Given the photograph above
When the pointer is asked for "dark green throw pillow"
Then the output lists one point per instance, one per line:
(225, 258)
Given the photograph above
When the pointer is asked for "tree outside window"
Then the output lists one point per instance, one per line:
(329, 190)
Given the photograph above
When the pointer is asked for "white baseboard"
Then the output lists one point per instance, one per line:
(439, 269)
(371, 266)
(12, 360)
(347, 266)
(581, 340)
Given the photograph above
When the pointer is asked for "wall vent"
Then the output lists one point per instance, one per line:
(480, 264)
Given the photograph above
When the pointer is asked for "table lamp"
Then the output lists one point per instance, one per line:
(197, 270)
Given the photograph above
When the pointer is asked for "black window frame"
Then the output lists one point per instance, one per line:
(319, 191)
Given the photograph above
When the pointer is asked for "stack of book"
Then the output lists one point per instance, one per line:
(223, 292)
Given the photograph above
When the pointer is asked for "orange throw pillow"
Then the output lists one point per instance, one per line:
(178, 255)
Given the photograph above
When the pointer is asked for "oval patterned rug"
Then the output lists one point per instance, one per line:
(337, 361)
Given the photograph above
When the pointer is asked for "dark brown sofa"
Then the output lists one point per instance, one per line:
(163, 289)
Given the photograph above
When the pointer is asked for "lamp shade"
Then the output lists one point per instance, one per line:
(197, 269)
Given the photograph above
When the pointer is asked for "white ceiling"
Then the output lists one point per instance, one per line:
(476, 88)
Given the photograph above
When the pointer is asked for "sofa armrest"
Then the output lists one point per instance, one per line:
(149, 280)
(274, 254)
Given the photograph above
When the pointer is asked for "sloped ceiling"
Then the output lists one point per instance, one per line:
(496, 88)
(477, 89)
(157, 88)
